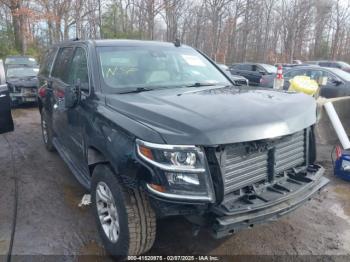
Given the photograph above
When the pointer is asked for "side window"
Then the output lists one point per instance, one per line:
(330, 78)
(294, 73)
(324, 64)
(246, 67)
(79, 69)
(336, 65)
(60, 69)
(315, 74)
(47, 62)
(258, 68)
(321, 77)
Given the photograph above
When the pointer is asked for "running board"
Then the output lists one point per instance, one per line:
(79, 174)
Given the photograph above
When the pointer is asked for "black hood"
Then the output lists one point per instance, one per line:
(217, 115)
(30, 81)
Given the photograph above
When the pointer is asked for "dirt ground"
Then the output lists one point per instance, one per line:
(50, 222)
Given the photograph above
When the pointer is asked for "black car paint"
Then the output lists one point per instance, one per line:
(253, 76)
(6, 122)
(102, 128)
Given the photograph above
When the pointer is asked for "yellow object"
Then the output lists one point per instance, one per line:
(303, 84)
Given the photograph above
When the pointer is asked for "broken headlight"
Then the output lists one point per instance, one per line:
(183, 171)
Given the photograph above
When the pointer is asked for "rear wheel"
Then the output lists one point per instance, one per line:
(47, 132)
(125, 220)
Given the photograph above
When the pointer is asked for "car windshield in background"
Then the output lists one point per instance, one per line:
(21, 61)
(154, 67)
(270, 68)
(343, 64)
(22, 72)
(342, 74)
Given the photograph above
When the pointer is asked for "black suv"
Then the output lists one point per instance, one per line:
(157, 129)
(252, 71)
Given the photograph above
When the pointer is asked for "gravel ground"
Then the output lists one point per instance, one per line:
(50, 222)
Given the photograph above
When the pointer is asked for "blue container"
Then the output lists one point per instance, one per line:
(342, 166)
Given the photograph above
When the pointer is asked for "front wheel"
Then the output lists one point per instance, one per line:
(125, 220)
(47, 131)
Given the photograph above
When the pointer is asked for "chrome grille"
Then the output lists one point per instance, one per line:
(248, 163)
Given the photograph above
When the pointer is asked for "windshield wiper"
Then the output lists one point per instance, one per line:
(198, 84)
(137, 90)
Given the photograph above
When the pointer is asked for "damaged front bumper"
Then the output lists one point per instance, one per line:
(269, 203)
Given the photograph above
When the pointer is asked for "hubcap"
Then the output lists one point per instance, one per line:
(44, 128)
(107, 212)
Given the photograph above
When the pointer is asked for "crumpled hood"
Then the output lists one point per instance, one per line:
(213, 116)
(23, 82)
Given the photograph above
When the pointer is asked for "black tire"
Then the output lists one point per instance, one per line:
(45, 120)
(137, 219)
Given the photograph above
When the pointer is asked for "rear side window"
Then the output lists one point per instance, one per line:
(327, 64)
(335, 65)
(47, 62)
(246, 67)
(60, 69)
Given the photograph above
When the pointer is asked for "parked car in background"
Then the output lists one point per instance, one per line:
(22, 83)
(155, 130)
(286, 66)
(333, 81)
(20, 61)
(252, 71)
(335, 64)
(6, 123)
(224, 67)
(297, 62)
(237, 79)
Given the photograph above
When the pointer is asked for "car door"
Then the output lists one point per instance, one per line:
(257, 73)
(246, 70)
(334, 87)
(235, 69)
(59, 83)
(6, 123)
(79, 77)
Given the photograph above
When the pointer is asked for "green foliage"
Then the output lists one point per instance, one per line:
(6, 42)
(112, 25)
(323, 50)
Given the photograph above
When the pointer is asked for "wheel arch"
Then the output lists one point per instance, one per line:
(135, 171)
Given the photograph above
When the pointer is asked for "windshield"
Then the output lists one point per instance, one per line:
(340, 73)
(20, 61)
(22, 72)
(343, 64)
(156, 67)
(270, 68)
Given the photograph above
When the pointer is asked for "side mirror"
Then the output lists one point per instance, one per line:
(337, 82)
(72, 95)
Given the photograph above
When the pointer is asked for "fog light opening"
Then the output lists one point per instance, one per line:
(158, 188)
